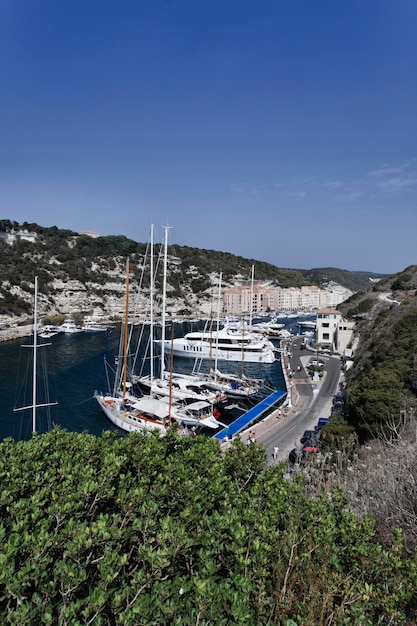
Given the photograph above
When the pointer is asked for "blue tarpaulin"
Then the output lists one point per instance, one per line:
(247, 418)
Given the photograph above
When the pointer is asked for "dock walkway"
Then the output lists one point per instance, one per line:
(250, 416)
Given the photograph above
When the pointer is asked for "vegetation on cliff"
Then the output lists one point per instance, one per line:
(383, 381)
(97, 265)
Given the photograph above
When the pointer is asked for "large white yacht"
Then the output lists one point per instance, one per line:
(231, 343)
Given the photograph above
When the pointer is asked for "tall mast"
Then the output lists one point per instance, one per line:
(35, 363)
(126, 330)
(34, 405)
(218, 323)
(164, 296)
(251, 297)
(151, 332)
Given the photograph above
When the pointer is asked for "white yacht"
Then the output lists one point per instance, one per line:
(230, 343)
(48, 331)
(69, 326)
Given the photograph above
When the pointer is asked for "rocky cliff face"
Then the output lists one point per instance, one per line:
(64, 295)
(77, 273)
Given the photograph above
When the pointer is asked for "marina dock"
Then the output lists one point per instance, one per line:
(250, 416)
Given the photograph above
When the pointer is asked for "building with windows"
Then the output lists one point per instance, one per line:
(333, 331)
(326, 327)
(244, 299)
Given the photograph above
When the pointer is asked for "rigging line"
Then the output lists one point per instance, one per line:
(139, 285)
(105, 355)
(82, 401)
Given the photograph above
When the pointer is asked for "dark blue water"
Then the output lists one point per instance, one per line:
(74, 370)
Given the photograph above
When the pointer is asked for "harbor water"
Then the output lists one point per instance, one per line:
(74, 370)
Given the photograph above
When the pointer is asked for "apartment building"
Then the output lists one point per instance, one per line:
(333, 331)
(262, 298)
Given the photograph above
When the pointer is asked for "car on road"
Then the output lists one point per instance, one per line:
(309, 435)
(315, 362)
(296, 456)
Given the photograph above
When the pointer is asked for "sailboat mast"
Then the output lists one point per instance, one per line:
(218, 323)
(251, 297)
(34, 405)
(164, 297)
(151, 303)
(35, 364)
(126, 329)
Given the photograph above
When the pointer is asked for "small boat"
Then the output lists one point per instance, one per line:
(307, 324)
(232, 386)
(70, 327)
(198, 413)
(274, 329)
(183, 388)
(48, 331)
(94, 327)
(91, 325)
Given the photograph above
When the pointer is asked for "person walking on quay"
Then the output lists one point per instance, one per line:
(275, 452)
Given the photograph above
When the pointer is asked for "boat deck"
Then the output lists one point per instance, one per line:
(247, 418)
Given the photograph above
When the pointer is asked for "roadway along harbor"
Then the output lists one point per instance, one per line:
(307, 400)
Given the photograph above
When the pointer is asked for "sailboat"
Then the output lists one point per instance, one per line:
(182, 390)
(145, 412)
(121, 407)
(35, 404)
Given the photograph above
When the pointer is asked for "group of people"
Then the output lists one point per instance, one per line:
(251, 438)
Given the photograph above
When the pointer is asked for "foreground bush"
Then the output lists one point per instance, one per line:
(137, 530)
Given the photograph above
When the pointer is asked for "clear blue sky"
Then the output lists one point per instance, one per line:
(279, 130)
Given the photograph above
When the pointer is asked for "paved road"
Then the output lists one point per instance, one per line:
(310, 399)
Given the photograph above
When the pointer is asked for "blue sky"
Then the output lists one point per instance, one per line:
(279, 130)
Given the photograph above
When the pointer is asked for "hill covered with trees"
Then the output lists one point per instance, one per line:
(383, 381)
(76, 271)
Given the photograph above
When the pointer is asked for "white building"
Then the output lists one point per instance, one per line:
(333, 331)
(14, 236)
(326, 327)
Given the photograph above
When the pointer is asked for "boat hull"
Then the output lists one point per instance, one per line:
(127, 420)
(182, 348)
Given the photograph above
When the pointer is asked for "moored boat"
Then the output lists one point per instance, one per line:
(70, 327)
(230, 343)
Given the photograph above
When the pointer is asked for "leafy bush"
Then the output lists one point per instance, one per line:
(129, 530)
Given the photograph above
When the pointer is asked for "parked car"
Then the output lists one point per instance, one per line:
(296, 456)
(337, 408)
(314, 362)
(322, 421)
(309, 435)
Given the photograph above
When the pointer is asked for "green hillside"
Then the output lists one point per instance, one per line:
(97, 264)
